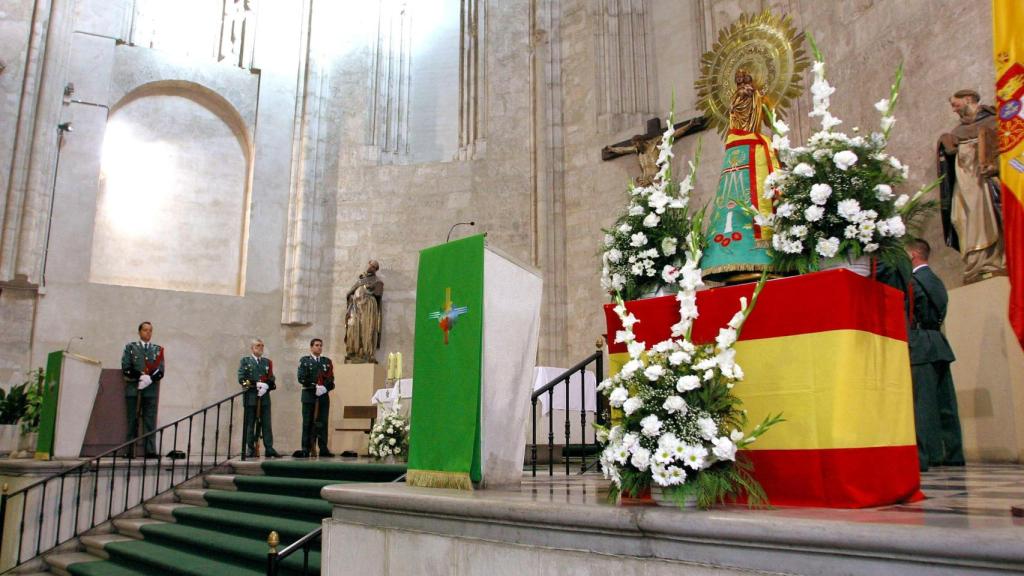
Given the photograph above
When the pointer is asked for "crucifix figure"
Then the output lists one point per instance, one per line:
(645, 146)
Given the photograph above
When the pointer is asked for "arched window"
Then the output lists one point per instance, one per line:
(172, 209)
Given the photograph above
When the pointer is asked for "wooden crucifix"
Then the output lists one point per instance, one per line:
(645, 146)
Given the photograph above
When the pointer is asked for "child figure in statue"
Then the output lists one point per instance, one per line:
(736, 245)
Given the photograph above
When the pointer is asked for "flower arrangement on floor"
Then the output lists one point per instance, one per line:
(641, 252)
(681, 424)
(836, 198)
(390, 435)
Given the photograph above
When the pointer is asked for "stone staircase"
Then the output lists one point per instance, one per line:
(219, 523)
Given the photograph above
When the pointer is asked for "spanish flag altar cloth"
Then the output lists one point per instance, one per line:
(829, 351)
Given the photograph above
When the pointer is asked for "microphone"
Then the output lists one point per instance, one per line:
(449, 237)
(73, 338)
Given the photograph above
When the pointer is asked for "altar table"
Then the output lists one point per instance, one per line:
(829, 351)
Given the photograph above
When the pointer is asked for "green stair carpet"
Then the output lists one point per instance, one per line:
(228, 536)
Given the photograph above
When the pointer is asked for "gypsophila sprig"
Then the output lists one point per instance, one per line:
(681, 424)
(641, 252)
(837, 195)
(390, 435)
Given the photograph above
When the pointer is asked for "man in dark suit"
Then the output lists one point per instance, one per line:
(142, 366)
(256, 375)
(937, 419)
(316, 376)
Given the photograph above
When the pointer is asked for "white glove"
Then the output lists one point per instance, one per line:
(321, 390)
(144, 381)
(261, 388)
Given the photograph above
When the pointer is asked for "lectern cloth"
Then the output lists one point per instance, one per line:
(444, 438)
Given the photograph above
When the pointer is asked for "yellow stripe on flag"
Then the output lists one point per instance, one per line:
(836, 389)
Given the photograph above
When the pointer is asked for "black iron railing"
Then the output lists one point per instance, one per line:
(584, 447)
(61, 507)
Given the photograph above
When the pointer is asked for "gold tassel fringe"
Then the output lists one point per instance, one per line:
(439, 479)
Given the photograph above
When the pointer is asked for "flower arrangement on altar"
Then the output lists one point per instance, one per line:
(390, 435)
(641, 252)
(681, 425)
(836, 197)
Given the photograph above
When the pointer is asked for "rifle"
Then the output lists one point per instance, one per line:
(138, 424)
(258, 422)
(314, 432)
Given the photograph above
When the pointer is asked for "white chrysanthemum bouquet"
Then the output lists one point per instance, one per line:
(837, 197)
(641, 252)
(390, 435)
(681, 425)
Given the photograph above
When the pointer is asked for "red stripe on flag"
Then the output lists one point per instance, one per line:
(1013, 239)
(838, 478)
(819, 302)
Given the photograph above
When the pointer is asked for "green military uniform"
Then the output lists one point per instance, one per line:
(252, 370)
(935, 411)
(137, 359)
(313, 371)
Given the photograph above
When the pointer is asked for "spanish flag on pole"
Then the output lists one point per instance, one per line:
(1008, 41)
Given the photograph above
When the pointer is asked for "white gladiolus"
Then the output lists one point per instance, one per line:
(901, 201)
(882, 106)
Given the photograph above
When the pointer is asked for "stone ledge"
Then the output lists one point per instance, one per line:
(730, 537)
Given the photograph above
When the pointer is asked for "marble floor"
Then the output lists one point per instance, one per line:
(976, 496)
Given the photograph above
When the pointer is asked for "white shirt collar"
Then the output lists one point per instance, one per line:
(257, 358)
(918, 267)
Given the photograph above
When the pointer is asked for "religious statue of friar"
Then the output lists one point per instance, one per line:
(754, 66)
(968, 161)
(363, 318)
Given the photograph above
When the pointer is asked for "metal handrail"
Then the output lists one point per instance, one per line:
(274, 558)
(94, 466)
(597, 359)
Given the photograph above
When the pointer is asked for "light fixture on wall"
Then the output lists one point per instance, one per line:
(65, 127)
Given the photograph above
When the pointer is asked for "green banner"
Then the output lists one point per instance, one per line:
(444, 438)
(48, 414)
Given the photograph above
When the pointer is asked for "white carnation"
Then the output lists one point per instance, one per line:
(687, 383)
(844, 160)
(883, 192)
(820, 193)
(828, 247)
(804, 169)
(632, 405)
(637, 240)
(814, 213)
(650, 425)
(849, 208)
(675, 404)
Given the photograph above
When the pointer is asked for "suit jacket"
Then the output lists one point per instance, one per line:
(312, 372)
(137, 360)
(927, 343)
(251, 371)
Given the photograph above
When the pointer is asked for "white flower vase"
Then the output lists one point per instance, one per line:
(662, 498)
(8, 438)
(860, 266)
(27, 443)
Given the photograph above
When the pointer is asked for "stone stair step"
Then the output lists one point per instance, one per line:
(191, 496)
(59, 562)
(164, 512)
(131, 527)
(247, 467)
(221, 482)
(94, 543)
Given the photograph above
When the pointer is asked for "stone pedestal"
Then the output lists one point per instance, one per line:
(354, 386)
(988, 372)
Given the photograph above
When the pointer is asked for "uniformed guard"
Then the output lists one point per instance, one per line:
(142, 365)
(935, 411)
(256, 375)
(316, 376)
